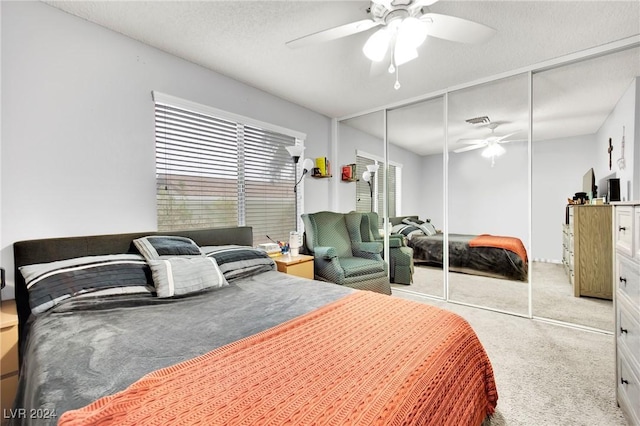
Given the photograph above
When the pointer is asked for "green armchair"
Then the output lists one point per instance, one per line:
(400, 256)
(340, 254)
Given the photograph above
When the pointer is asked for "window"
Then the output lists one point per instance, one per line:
(215, 169)
(363, 196)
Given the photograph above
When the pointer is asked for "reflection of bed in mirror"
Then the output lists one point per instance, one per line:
(487, 255)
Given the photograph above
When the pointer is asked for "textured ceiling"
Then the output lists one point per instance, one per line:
(246, 41)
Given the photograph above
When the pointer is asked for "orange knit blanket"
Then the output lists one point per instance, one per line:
(365, 359)
(508, 243)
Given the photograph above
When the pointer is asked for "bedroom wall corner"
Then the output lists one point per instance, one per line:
(78, 125)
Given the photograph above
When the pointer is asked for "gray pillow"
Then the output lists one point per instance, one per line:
(163, 246)
(178, 276)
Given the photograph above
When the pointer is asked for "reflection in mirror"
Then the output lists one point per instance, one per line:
(415, 134)
(362, 144)
(488, 193)
(361, 151)
(577, 109)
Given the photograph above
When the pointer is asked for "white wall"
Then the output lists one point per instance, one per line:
(489, 200)
(78, 126)
(558, 167)
(627, 114)
(431, 195)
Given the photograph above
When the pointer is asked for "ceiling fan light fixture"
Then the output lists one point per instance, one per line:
(376, 46)
(493, 150)
(404, 53)
(412, 31)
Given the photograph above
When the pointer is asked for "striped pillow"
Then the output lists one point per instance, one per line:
(239, 261)
(51, 283)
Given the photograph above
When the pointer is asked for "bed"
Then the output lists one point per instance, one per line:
(263, 347)
(487, 255)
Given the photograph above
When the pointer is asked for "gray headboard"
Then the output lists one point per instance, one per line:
(398, 220)
(51, 249)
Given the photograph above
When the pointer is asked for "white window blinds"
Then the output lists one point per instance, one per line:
(216, 172)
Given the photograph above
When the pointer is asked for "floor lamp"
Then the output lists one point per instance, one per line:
(368, 177)
(296, 151)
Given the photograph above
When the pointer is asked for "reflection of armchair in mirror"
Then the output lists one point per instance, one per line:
(400, 256)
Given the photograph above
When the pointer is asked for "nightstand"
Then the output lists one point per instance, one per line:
(300, 266)
(9, 350)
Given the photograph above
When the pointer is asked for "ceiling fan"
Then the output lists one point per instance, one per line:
(491, 144)
(405, 26)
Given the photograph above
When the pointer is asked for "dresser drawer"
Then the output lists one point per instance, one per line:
(628, 332)
(628, 389)
(627, 279)
(623, 231)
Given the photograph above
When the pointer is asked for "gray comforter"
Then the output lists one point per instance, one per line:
(88, 348)
(496, 261)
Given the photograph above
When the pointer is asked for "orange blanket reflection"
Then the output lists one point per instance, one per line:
(508, 243)
(365, 359)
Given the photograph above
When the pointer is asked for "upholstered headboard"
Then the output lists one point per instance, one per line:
(51, 249)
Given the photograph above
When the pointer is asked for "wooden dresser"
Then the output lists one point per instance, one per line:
(9, 361)
(588, 250)
(627, 308)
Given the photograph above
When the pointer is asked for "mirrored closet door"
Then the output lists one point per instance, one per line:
(567, 148)
(488, 193)
(415, 136)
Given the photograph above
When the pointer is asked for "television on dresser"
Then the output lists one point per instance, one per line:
(589, 184)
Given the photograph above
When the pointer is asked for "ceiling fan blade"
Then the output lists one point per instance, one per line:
(502, 138)
(514, 140)
(423, 3)
(468, 148)
(333, 33)
(456, 29)
(472, 141)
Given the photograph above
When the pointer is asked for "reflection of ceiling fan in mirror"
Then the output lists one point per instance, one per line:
(405, 26)
(491, 144)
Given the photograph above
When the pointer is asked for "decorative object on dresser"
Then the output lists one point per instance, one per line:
(627, 308)
(587, 251)
(9, 348)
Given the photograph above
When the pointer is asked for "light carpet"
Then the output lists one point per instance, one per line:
(546, 374)
(552, 294)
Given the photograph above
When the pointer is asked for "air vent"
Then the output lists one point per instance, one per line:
(479, 120)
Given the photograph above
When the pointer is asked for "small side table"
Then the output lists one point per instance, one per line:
(9, 349)
(300, 266)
